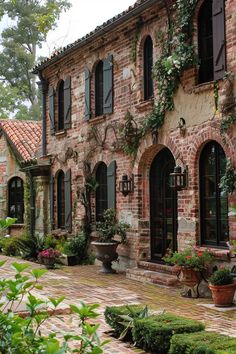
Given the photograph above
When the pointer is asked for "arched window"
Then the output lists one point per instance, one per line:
(214, 203)
(147, 68)
(16, 199)
(205, 43)
(61, 105)
(99, 89)
(61, 199)
(101, 191)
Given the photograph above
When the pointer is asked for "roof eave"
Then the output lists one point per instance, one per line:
(135, 11)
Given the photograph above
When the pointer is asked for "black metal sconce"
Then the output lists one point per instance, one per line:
(126, 185)
(178, 178)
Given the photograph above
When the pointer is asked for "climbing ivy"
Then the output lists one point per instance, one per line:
(228, 181)
(177, 54)
(225, 124)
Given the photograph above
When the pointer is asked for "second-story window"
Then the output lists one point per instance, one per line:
(102, 81)
(147, 68)
(62, 101)
(99, 89)
(211, 41)
(61, 106)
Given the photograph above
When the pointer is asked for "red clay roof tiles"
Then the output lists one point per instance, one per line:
(24, 135)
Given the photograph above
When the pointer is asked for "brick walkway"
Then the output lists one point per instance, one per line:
(84, 283)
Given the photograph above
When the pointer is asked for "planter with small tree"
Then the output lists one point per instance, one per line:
(222, 286)
(106, 245)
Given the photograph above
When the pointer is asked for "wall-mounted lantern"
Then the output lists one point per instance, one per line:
(126, 185)
(178, 178)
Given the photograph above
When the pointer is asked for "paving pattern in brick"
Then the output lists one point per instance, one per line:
(85, 283)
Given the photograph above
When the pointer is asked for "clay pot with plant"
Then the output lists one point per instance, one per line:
(106, 245)
(222, 286)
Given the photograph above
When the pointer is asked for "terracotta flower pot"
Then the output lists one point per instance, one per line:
(223, 295)
(189, 276)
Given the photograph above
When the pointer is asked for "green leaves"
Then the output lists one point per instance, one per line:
(20, 267)
(23, 335)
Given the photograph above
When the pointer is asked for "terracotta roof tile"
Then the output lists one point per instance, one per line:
(24, 135)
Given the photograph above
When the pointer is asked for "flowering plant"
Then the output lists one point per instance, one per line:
(49, 253)
(191, 258)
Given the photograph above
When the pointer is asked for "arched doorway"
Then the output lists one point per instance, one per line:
(163, 206)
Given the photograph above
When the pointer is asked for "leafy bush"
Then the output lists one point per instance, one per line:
(154, 333)
(202, 343)
(10, 246)
(50, 241)
(22, 335)
(113, 317)
(29, 246)
(221, 276)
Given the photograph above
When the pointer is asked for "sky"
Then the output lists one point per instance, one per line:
(82, 18)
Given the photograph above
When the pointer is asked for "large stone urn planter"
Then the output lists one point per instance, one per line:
(189, 277)
(106, 253)
(223, 295)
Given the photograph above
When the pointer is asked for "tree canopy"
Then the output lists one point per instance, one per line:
(30, 21)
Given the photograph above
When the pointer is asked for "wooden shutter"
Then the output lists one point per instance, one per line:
(111, 185)
(51, 196)
(67, 103)
(108, 85)
(68, 206)
(219, 43)
(87, 94)
(51, 109)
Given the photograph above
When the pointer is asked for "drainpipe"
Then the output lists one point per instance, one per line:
(32, 204)
(43, 86)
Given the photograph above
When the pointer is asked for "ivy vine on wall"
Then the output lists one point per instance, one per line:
(177, 55)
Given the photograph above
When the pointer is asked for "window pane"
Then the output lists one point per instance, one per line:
(101, 191)
(16, 199)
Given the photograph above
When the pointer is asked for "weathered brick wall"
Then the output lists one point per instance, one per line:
(194, 103)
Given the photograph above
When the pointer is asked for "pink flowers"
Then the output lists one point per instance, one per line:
(49, 253)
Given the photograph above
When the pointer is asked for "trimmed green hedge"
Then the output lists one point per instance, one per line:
(112, 317)
(154, 333)
(202, 343)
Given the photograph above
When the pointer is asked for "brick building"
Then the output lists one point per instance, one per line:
(89, 89)
(19, 142)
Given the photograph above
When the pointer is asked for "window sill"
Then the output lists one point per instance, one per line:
(219, 253)
(17, 225)
(206, 86)
(97, 119)
(61, 133)
(145, 105)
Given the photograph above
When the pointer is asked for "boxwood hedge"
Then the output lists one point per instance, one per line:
(202, 343)
(154, 333)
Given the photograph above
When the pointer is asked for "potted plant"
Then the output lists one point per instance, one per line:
(222, 286)
(49, 257)
(193, 264)
(74, 250)
(106, 245)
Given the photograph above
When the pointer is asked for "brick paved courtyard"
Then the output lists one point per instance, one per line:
(84, 283)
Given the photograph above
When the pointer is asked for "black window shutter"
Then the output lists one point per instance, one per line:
(67, 103)
(111, 185)
(51, 196)
(219, 43)
(68, 206)
(51, 109)
(87, 94)
(108, 85)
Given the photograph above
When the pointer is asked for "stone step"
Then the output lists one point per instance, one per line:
(152, 277)
(157, 267)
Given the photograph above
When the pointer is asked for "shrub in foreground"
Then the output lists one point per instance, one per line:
(113, 317)
(22, 335)
(154, 333)
(202, 343)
